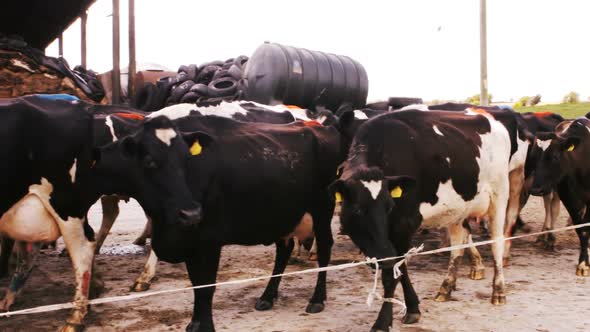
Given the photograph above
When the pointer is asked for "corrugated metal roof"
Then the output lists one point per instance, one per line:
(39, 22)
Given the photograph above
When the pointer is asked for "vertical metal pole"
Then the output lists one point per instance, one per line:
(116, 73)
(60, 43)
(83, 19)
(483, 45)
(132, 65)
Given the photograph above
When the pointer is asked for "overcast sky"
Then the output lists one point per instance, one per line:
(421, 48)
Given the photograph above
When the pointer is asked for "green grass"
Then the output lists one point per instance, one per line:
(568, 111)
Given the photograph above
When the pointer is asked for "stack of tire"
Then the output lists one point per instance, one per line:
(211, 81)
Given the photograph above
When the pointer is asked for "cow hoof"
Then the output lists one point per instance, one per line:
(498, 299)
(7, 301)
(314, 308)
(199, 327)
(583, 270)
(476, 274)
(442, 297)
(140, 286)
(411, 318)
(313, 257)
(140, 241)
(263, 305)
(71, 327)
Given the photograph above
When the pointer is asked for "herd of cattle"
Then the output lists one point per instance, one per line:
(209, 175)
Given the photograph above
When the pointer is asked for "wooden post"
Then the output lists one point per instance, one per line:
(483, 48)
(132, 64)
(116, 73)
(60, 45)
(83, 19)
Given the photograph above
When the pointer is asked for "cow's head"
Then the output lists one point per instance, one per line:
(151, 166)
(558, 154)
(369, 201)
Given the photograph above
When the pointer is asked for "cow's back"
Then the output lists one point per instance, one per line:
(456, 158)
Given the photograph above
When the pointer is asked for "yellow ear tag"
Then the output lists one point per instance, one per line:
(338, 197)
(396, 192)
(571, 148)
(196, 148)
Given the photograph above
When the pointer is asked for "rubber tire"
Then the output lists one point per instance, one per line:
(221, 73)
(206, 74)
(201, 89)
(146, 98)
(235, 72)
(190, 97)
(179, 90)
(225, 86)
(241, 61)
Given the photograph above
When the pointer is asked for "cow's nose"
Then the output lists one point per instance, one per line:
(190, 217)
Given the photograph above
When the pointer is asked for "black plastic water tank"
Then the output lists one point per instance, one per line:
(283, 74)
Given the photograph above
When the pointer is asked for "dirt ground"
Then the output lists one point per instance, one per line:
(544, 294)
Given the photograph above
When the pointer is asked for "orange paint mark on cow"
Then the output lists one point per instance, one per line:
(542, 114)
(85, 283)
(312, 123)
(481, 111)
(293, 107)
(130, 116)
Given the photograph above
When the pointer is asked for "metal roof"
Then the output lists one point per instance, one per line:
(39, 22)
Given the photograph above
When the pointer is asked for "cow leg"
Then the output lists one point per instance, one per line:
(385, 319)
(411, 298)
(143, 282)
(516, 178)
(5, 252)
(583, 269)
(26, 256)
(296, 246)
(283, 252)
(147, 232)
(313, 252)
(497, 213)
(202, 270)
(110, 211)
(457, 235)
(551, 203)
(81, 251)
(477, 268)
(323, 233)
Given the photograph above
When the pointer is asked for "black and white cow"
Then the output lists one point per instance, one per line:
(564, 165)
(541, 122)
(413, 169)
(256, 183)
(46, 158)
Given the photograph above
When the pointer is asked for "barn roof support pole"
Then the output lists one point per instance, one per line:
(116, 73)
(132, 64)
(60, 45)
(483, 48)
(83, 20)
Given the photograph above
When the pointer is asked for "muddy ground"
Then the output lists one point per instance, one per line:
(544, 294)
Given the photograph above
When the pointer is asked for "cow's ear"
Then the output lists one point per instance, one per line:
(545, 135)
(336, 190)
(346, 121)
(129, 146)
(197, 141)
(569, 144)
(400, 186)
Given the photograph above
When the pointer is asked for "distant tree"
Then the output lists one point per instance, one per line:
(571, 98)
(475, 99)
(522, 102)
